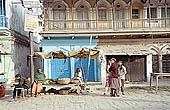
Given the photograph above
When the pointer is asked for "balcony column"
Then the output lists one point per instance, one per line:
(50, 18)
(67, 14)
(159, 15)
(67, 24)
(144, 22)
(131, 6)
(111, 18)
(149, 13)
(50, 13)
(126, 19)
(166, 12)
(73, 16)
(95, 18)
(90, 18)
(114, 17)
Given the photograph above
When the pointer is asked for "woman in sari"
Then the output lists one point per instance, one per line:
(114, 85)
(39, 78)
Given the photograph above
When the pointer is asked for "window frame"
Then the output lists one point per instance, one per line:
(138, 15)
(163, 12)
(152, 16)
(101, 17)
(59, 14)
(83, 14)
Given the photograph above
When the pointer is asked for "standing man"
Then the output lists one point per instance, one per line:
(122, 72)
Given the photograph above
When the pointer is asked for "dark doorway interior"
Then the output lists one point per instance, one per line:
(135, 64)
(165, 63)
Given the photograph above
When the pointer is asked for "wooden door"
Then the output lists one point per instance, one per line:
(136, 68)
(91, 74)
(135, 65)
(60, 68)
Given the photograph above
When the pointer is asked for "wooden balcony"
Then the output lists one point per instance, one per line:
(71, 26)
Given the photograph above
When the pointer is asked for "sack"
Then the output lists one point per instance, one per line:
(2, 91)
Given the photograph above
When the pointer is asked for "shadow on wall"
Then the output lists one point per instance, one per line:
(20, 52)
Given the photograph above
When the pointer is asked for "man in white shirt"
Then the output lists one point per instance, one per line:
(122, 72)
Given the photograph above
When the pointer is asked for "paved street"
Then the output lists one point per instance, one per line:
(133, 100)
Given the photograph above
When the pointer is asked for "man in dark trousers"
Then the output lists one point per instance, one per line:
(22, 82)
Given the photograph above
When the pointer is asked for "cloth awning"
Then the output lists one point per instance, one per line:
(84, 53)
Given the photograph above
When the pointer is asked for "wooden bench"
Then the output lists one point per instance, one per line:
(157, 75)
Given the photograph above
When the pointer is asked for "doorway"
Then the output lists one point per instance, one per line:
(135, 65)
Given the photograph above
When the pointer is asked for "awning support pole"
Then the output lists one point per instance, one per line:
(82, 70)
(88, 67)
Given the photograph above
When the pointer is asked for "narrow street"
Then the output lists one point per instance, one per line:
(133, 100)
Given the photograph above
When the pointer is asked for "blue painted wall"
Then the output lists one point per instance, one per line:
(3, 19)
(53, 68)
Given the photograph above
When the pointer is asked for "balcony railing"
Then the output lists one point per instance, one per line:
(3, 21)
(51, 25)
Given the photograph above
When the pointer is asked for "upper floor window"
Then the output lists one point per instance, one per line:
(135, 13)
(82, 15)
(102, 13)
(59, 12)
(119, 14)
(163, 14)
(59, 15)
(153, 12)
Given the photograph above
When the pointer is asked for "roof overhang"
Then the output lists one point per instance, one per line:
(107, 32)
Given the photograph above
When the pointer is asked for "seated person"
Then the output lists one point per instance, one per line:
(39, 78)
(22, 82)
(77, 75)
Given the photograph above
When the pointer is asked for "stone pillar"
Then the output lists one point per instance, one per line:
(148, 66)
(103, 68)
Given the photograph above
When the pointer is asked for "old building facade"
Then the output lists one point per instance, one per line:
(134, 31)
(14, 41)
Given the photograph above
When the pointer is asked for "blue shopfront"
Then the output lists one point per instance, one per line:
(65, 68)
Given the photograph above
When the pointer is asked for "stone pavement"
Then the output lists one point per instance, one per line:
(133, 100)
